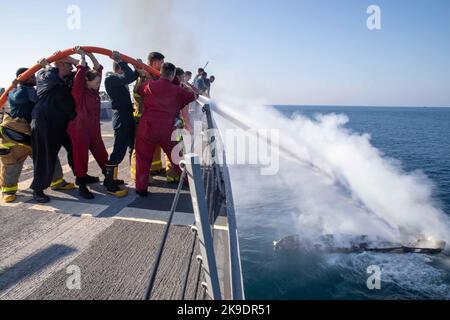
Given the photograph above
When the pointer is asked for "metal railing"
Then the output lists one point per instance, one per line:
(223, 183)
(203, 225)
(211, 193)
(157, 262)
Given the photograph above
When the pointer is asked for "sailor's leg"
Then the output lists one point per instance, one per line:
(121, 137)
(133, 165)
(157, 160)
(146, 142)
(131, 125)
(10, 169)
(67, 144)
(58, 181)
(45, 145)
(98, 150)
(168, 146)
(80, 147)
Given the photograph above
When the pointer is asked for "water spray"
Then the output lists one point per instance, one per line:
(289, 154)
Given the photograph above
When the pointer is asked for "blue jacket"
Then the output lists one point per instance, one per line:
(55, 104)
(117, 88)
(21, 102)
(200, 84)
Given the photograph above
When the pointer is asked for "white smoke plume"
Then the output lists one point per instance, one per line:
(154, 25)
(341, 183)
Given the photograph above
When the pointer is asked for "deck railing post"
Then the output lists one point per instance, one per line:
(237, 287)
(212, 141)
(203, 225)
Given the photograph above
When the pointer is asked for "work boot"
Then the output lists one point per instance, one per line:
(40, 197)
(83, 189)
(159, 172)
(172, 178)
(87, 180)
(142, 193)
(117, 181)
(116, 175)
(110, 184)
(8, 198)
(62, 185)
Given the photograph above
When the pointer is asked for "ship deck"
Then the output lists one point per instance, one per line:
(112, 241)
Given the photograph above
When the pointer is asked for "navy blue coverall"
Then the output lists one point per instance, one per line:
(123, 120)
(50, 117)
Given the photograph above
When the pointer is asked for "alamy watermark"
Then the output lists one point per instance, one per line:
(243, 147)
(374, 19)
(374, 280)
(73, 282)
(73, 21)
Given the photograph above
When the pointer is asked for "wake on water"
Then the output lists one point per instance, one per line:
(341, 184)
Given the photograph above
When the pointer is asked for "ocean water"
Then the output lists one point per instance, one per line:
(420, 139)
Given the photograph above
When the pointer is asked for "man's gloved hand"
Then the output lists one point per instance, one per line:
(116, 56)
(43, 63)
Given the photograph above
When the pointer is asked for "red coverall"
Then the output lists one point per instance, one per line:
(84, 130)
(162, 103)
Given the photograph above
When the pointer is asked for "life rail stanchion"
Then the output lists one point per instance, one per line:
(154, 273)
(204, 232)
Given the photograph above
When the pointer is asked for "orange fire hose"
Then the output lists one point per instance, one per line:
(62, 54)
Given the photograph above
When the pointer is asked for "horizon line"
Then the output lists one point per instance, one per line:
(353, 106)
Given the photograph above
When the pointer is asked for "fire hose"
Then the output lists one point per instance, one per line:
(65, 53)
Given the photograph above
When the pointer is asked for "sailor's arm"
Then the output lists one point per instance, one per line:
(142, 78)
(19, 96)
(128, 76)
(79, 79)
(97, 65)
(47, 77)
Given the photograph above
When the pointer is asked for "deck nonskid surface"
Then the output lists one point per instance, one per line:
(112, 241)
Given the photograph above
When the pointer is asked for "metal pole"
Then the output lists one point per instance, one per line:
(194, 173)
(157, 262)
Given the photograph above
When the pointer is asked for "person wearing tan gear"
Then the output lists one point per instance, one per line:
(15, 140)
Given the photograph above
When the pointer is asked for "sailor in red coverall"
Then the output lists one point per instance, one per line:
(162, 104)
(84, 130)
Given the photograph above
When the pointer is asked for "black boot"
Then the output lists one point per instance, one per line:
(116, 175)
(117, 181)
(111, 184)
(40, 197)
(142, 194)
(87, 180)
(83, 189)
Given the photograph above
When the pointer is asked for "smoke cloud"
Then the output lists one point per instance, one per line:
(155, 25)
(340, 183)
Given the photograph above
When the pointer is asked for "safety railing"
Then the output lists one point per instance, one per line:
(211, 194)
(222, 196)
(203, 226)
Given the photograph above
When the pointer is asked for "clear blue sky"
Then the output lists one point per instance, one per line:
(280, 52)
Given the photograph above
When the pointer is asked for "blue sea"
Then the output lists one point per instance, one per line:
(420, 139)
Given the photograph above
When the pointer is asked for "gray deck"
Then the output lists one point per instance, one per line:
(112, 241)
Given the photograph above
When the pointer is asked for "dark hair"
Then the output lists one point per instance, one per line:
(116, 66)
(212, 77)
(20, 71)
(155, 56)
(188, 73)
(168, 70)
(179, 72)
(92, 74)
(204, 74)
(201, 70)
